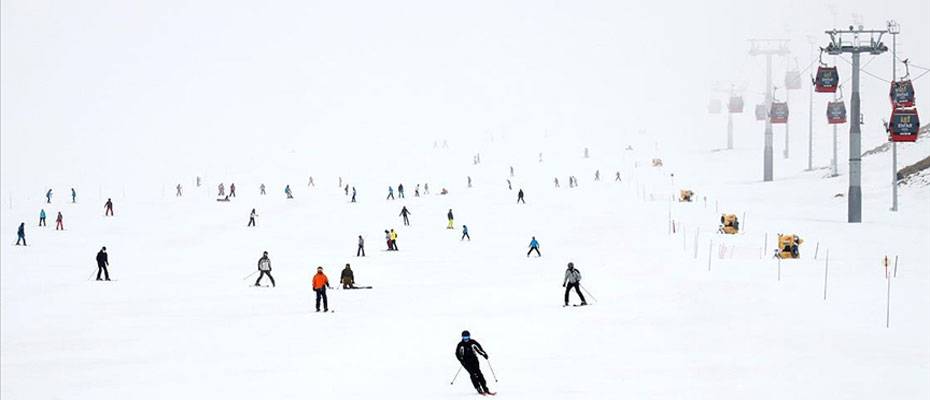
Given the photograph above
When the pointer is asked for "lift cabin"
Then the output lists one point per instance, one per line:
(735, 106)
(714, 106)
(779, 113)
(904, 125)
(826, 80)
(902, 94)
(685, 196)
(788, 246)
(836, 112)
(761, 112)
(729, 224)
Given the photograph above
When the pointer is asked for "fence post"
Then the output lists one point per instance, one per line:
(765, 244)
(888, 305)
(816, 250)
(710, 252)
(826, 269)
(895, 266)
(696, 235)
(779, 269)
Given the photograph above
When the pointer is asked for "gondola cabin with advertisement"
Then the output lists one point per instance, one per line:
(735, 106)
(902, 94)
(836, 112)
(761, 112)
(904, 125)
(826, 80)
(779, 113)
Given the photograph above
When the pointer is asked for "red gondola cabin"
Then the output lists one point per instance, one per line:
(904, 125)
(827, 80)
(779, 113)
(735, 106)
(902, 94)
(836, 112)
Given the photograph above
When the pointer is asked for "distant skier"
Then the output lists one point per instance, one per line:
(361, 247)
(387, 238)
(451, 220)
(404, 213)
(520, 197)
(48, 196)
(320, 284)
(261, 189)
(534, 245)
(108, 207)
(617, 178)
(347, 189)
(353, 194)
(467, 352)
(264, 268)
(394, 240)
(540, 157)
(21, 234)
(597, 175)
(73, 196)
(585, 152)
(465, 233)
(416, 191)
(310, 183)
(573, 280)
(340, 181)
(232, 190)
(42, 217)
(59, 222)
(252, 216)
(400, 191)
(556, 180)
(426, 188)
(390, 195)
(511, 171)
(178, 194)
(469, 181)
(287, 191)
(198, 181)
(102, 263)
(347, 278)
(220, 190)
(509, 186)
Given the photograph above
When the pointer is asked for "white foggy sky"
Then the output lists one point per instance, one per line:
(169, 88)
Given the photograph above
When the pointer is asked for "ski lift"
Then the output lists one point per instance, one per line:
(735, 106)
(836, 110)
(793, 77)
(902, 91)
(778, 114)
(761, 112)
(904, 125)
(713, 106)
(827, 78)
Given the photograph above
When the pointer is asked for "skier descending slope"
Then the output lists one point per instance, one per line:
(573, 280)
(42, 217)
(451, 220)
(264, 268)
(102, 263)
(320, 283)
(73, 196)
(59, 222)
(21, 234)
(467, 352)
(252, 216)
(534, 245)
(48, 196)
(465, 233)
(404, 212)
(108, 208)
(361, 247)
(520, 197)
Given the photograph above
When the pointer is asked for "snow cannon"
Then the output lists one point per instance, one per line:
(788, 246)
(656, 162)
(685, 195)
(729, 224)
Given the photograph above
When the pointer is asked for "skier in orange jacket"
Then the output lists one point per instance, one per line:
(320, 284)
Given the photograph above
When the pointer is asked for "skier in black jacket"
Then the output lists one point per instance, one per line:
(102, 264)
(405, 213)
(264, 268)
(467, 352)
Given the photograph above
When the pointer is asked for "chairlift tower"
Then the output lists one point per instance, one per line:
(768, 48)
(855, 41)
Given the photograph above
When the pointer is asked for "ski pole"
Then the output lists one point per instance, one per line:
(250, 275)
(589, 293)
(91, 275)
(492, 369)
(456, 375)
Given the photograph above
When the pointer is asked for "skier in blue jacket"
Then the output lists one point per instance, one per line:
(534, 245)
(42, 217)
(48, 196)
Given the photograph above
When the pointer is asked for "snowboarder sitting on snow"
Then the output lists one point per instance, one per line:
(264, 268)
(467, 352)
(320, 283)
(443, 192)
(573, 280)
(102, 263)
(534, 245)
(224, 198)
(347, 278)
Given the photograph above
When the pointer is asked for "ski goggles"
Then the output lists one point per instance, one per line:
(466, 337)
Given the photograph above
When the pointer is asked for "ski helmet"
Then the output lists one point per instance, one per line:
(571, 265)
(466, 334)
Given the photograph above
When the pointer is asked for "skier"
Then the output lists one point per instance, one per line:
(361, 247)
(73, 196)
(416, 191)
(467, 352)
(347, 189)
(394, 240)
(353, 194)
(465, 233)
(261, 189)
(469, 181)
(556, 182)
(340, 181)
(617, 178)
(48, 196)
(511, 171)
(390, 193)
(404, 213)
(573, 280)
(287, 191)
(310, 183)
(426, 188)
(178, 194)
(520, 197)
(387, 237)
(59, 222)
(320, 283)
(509, 186)
(198, 181)
(534, 245)
(400, 191)
(42, 217)
(540, 157)
(449, 216)
(597, 175)
(108, 207)
(252, 216)
(585, 152)
(102, 263)
(264, 268)
(21, 234)
(347, 278)
(232, 190)
(221, 190)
